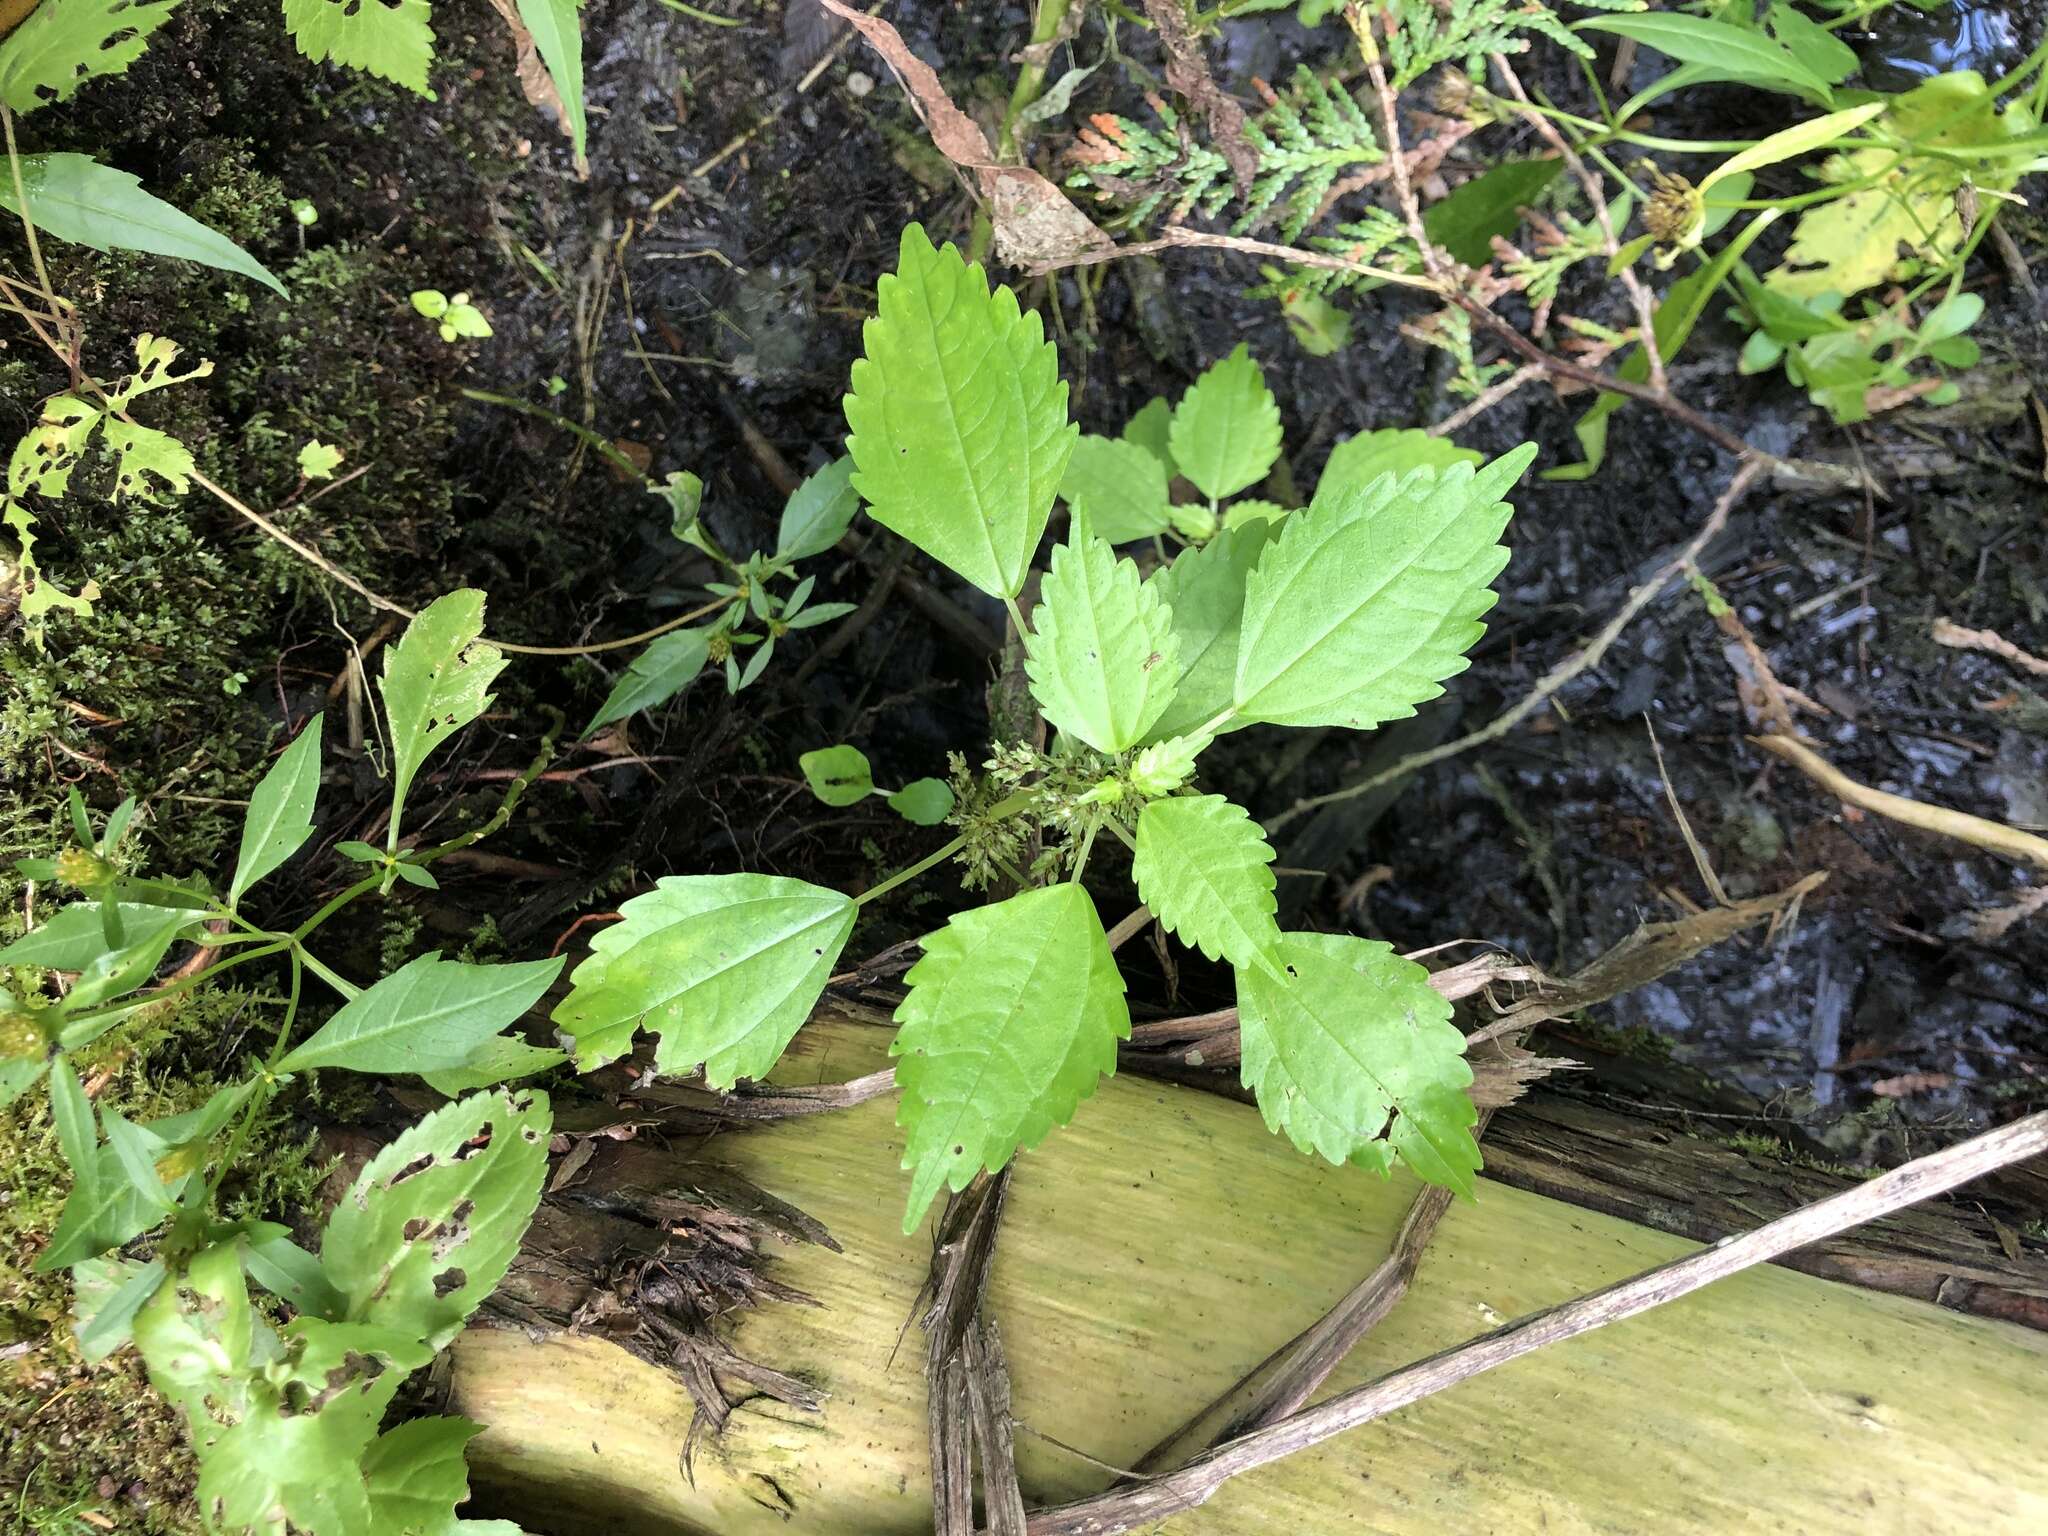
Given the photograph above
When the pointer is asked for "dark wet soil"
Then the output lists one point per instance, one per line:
(685, 314)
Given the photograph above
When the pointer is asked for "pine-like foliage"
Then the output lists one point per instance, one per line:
(1305, 140)
(1467, 30)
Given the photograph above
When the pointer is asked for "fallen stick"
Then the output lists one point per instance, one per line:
(1994, 837)
(1124, 1509)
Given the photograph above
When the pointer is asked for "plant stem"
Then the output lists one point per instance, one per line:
(1031, 78)
(902, 876)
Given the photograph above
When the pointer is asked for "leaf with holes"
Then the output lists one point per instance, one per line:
(431, 1224)
(280, 814)
(436, 680)
(430, 1015)
(1204, 868)
(1013, 1015)
(1120, 485)
(724, 968)
(65, 43)
(1101, 656)
(75, 198)
(1226, 429)
(959, 417)
(393, 39)
(1367, 601)
(1204, 591)
(1350, 1036)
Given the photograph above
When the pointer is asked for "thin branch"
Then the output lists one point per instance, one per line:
(1638, 291)
(1553, 680)
(1125, 1509)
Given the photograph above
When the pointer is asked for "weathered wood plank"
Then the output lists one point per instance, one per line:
(1163, 1244)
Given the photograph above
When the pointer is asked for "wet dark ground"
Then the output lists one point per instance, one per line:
(684, 312)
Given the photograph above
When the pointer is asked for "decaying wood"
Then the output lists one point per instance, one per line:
(1605, 1158)
(1163, 1244)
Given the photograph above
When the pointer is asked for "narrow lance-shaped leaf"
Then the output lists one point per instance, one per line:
(74, 197)
(1012, 1017)
(1351, 1037)
(1226, 429)
(1367, 601)
(556, 32)
(959, 417)
(436, 680)
(280, 814)
(1101, 656)
(670, 664)
(1204, 868)
(723, 968)
(430, 1015)
(818, 511)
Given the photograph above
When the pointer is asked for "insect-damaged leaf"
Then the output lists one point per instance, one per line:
(431, 1224)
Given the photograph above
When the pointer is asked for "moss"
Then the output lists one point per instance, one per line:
(76, 1437)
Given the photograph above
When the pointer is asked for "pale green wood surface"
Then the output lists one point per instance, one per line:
(1162, 1245)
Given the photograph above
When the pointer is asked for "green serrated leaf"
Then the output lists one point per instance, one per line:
(143, 457)
(926, 802)
(432, 1222)
(62, 45)
(75, 198)
(670, 664)
(430, 1015)
(1120, 485)
(393, 39)
(416, 1475)
(1226, 429)
(318, 460)
(1013, 1015)
(1358, 461)
(1367, 601)
(557, 33)
(959, 416)
(1152, 430)
(1350, 1036)
(724, 968)
(838, 776)
(818, 512)
(436, 680)
(1101, 656)
(1204, 589)
(1204, 868)
(280, 814)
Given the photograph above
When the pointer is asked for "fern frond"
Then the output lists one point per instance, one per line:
(1305, 140)
(1466, 31)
